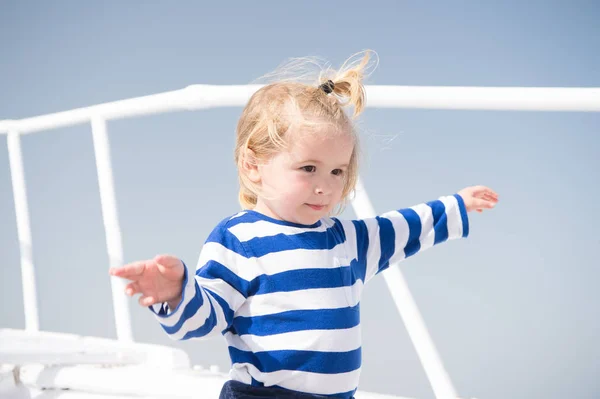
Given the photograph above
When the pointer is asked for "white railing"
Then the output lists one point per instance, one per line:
(208, 96)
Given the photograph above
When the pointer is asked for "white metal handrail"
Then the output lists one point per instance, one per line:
(586, 99)
(207, 96)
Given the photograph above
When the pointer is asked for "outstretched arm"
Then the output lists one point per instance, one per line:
(400, 234)
(195, 306)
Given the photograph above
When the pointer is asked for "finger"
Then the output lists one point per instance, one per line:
(146, 300)
(132, 289)
(491, 194)
(167, 261)
(483, 204)
(476, 190)
(129, 271)
(482, 192)
(490, 197)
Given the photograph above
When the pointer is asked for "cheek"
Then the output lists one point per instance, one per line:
(277, 180)
(339, 187)
(298, 182)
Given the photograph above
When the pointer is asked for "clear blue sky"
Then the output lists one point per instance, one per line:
(513, 309)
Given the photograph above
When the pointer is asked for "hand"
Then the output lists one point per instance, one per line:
(478, 198)
(158, 280)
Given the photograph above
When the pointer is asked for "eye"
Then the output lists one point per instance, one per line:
(337, 172)
(309, 168)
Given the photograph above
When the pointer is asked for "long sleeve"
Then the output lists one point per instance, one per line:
(396, 235)
(209, 297)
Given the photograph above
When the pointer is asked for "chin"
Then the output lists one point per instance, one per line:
(311, 219)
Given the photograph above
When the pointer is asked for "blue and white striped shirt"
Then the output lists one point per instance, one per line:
(286, 296)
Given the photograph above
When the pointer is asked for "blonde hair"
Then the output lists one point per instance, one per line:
(270, 113)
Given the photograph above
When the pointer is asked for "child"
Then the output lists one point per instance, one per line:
(282, 279)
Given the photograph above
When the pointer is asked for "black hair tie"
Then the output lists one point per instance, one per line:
(327, 87)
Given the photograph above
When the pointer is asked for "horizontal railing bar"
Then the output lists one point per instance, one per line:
(195, 97)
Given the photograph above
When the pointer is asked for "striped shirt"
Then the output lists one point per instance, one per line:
(286, 296)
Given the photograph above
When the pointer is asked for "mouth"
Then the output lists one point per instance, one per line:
(316, 207)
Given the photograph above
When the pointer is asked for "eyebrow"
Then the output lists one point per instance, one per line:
(345, 165)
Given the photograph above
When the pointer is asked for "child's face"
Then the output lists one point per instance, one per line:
(305, 183)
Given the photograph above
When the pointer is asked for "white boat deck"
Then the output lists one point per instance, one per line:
(56, 365)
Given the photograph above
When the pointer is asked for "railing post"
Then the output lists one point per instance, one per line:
(111, 227)
(24, 231)
(407, 307)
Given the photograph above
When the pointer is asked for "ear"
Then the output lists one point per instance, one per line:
(250, 166)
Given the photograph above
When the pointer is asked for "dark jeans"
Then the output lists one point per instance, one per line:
(238, 390)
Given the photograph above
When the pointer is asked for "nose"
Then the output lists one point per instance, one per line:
(322, 188)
